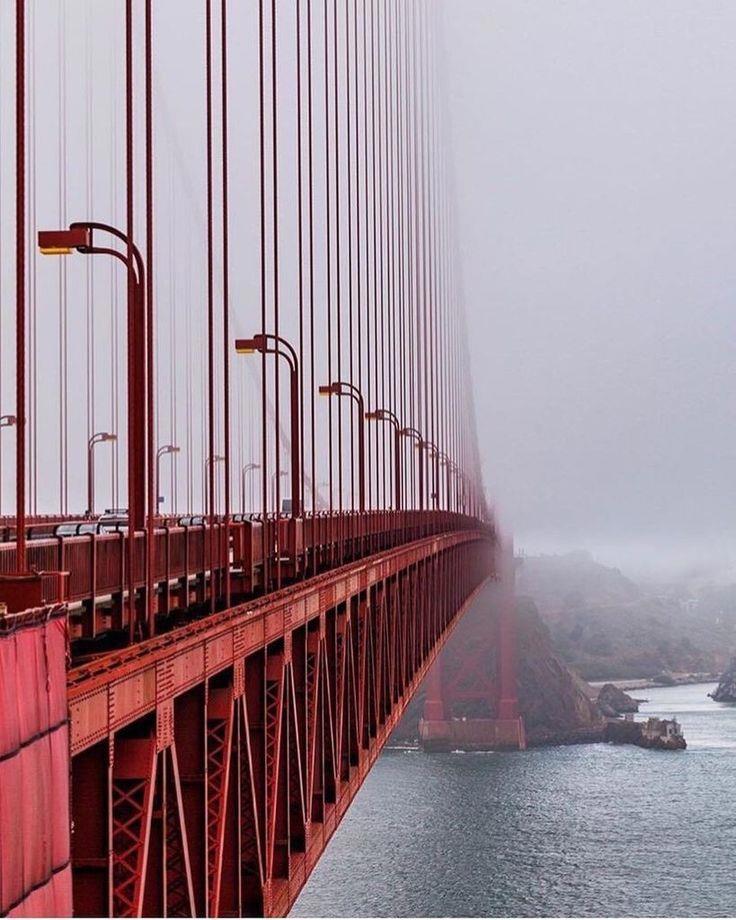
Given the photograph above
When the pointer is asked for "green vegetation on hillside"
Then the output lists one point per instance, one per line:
(605, 626)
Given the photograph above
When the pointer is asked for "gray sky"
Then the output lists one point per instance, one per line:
(595, 156)
(594, 161)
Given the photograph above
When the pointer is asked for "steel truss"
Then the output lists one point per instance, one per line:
(211, 766)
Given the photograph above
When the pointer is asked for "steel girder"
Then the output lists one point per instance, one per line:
(221, 757)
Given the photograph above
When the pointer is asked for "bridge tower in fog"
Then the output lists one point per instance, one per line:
(472, 698)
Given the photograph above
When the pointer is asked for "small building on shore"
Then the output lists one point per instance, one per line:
(665, 734)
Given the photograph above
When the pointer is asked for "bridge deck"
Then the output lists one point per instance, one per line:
(212, 764)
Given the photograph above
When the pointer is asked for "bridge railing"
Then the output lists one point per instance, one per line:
(199, 565)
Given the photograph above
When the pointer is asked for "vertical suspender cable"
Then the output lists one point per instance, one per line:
(348, 156)
(264, 330)
(328, 253)
(133, 510)
(20, 285)
(151, 500)
(275, 241)
(210, 460)
(310, 183)
(225, 552)
(338, 273)
(114, 299)
(300, 243)
(33, 327)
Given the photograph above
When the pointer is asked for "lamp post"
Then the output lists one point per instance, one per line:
(434, 452)
(217, 458)
(269, 344)
(165, 449)
(274, 477)
(342, 388)
(447, 463)
(6, 421)
(80, 238)
(419, 438)
(386, 415)
(97, 438)
(249, 467)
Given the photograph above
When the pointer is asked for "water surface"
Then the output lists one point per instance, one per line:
(590, 830)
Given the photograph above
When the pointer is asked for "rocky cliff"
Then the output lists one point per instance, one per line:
(607, 627)
(558, 707)
(725, 692)
(614, 702)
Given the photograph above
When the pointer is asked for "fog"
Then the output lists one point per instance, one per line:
(594, 158)
(592, 151)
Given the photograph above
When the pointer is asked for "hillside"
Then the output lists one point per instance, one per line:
(605, 626)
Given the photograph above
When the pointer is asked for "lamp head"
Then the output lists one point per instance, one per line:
(63, 242)
(331, 389)
(249, 346)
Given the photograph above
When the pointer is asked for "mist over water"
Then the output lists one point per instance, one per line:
(590, 830)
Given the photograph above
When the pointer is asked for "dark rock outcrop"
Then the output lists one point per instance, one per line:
(614, 702)
(656, 734)
(552, 700)
(725, 692)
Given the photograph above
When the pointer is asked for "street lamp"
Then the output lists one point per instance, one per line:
(274, 476)
(419, 438)
(97, 438)
(445, 461)
(385, 415)
(342, 388)
(217, 458)
(165, 449)
(6, 421)
(434, 451)
(269, 344)
(249, 467)
(79, 237)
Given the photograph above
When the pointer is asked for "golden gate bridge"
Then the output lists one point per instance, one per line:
(242, 505)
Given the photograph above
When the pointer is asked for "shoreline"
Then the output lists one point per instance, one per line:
(647, 683)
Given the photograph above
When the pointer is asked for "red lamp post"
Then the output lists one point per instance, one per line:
(162, 451)
(269, 344)
(418, 437)
(80, 237)
(249, 467)
(97, 438)
(342, 388)
(434, 452)
(386, 415)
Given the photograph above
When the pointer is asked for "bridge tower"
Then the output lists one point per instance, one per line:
(472, 700)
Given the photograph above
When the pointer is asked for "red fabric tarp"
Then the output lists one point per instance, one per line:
(35, 869)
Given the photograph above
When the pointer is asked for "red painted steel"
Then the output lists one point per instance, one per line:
(35, 868)
(472, 695)
(265, 658)
(96, 563)
(237, 743)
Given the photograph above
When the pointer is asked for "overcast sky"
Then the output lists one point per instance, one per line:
(595, 161)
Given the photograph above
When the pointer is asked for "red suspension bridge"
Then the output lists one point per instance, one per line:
(245, 503)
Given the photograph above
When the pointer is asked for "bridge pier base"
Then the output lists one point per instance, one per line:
(471, 702)
(473, 734)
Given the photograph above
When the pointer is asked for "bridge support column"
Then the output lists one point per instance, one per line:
(471, 701)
